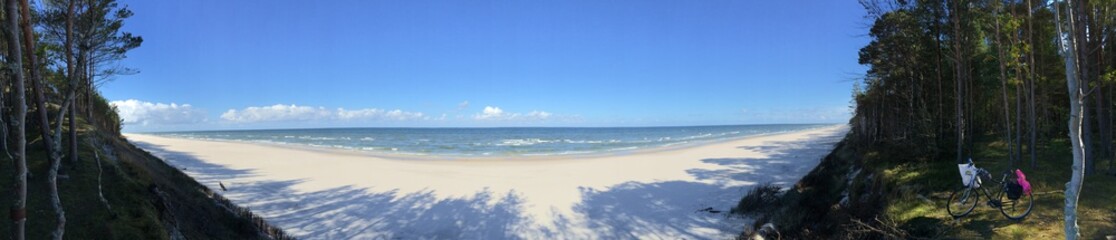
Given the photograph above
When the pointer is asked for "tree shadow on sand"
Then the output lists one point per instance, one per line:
(681, 209)
(355, 213)
(631, 210)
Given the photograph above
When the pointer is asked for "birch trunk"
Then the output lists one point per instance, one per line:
(52, 144)
(1081, 45)
(1069, 52)
(19, 207)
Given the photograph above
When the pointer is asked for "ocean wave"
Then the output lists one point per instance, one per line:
(591, 141)
(313, 138)
(624, 148)
(522, 142)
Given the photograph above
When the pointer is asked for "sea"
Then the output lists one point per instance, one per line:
(513, 141)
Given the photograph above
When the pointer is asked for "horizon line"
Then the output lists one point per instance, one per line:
(509, 127)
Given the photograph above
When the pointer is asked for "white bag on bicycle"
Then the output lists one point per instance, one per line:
(968, 172)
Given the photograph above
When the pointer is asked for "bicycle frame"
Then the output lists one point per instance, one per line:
(984, 173)
(966, 199)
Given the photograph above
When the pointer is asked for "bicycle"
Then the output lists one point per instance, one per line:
(966, 197)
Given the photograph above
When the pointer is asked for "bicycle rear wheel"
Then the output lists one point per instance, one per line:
(962, 201)
(1016, 209)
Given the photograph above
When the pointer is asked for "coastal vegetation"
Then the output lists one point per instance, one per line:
(58, 52)
(952, 80)
(1019, 84)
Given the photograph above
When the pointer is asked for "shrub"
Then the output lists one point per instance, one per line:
(760, 199)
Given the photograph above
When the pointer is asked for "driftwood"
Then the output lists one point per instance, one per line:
(100, 171)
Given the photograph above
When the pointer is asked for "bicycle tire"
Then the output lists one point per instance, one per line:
(964, 200)
(1006, 205)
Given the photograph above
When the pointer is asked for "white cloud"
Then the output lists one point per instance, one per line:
(295, 113)
(377, 114)
(277, 113)
(495, 113)
(135, 112)
(490, 112)
(540, 115)
(463, 105)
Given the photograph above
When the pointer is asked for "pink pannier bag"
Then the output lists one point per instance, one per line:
(1023, 181)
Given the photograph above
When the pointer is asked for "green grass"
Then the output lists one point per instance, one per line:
(129, 175)
(133, 215)
(903, 195)
(933, 180)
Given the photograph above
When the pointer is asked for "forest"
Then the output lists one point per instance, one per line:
(943, 72)
(1014, 84)
(73, 175)
(949, 81)
(63, 50)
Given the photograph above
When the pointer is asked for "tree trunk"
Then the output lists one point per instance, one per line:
(959, 65)
(1076, 118)
(1112, 152)
(3, 120)
(52, 146)
(90, 76)
(1031, 85)
(72, 77)
(1003, 87)
(35, 77)
(939, 113)
(971, 127)
(1013, 39)
(1018, 123)
(1082, 46)
(19, 207)
(1100, 107)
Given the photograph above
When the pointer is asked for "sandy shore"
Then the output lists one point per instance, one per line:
(330, 195)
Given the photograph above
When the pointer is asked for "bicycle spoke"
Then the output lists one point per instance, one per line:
(962, 201)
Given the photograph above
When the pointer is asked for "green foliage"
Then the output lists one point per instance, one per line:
(928, 62)
(109, 119)
(149, 199)
(925, 197)
(910, 89)
(133, 216)
(909, 197)
(759, 199)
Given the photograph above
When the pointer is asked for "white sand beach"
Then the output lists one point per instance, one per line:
(327, 194)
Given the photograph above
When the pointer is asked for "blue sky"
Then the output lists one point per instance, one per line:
(289, 64)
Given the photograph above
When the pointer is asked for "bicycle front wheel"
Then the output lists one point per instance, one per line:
(1016, 209)
(962, 201)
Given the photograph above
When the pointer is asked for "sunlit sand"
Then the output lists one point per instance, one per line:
(329, 194)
